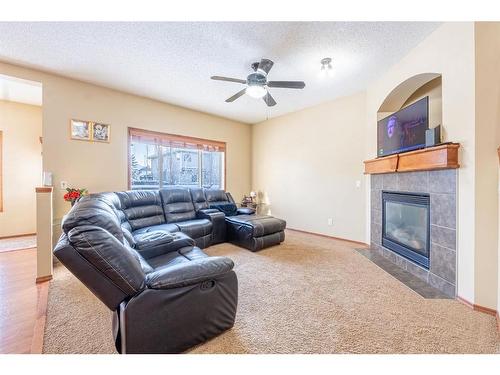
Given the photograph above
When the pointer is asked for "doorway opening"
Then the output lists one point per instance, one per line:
(20, 161)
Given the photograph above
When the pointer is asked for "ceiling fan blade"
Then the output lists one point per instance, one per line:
(287, 84)
(265, 65)
(219, 78)
(269, 100)
(236, 96)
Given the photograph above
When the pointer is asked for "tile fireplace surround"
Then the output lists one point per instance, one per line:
(441, 185)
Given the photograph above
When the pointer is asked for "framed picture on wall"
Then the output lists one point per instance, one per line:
(80, 130)
(100, 132)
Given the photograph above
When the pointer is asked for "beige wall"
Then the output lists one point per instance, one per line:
(487, 38)
(307, 164)
(21, 125)
(101, 166)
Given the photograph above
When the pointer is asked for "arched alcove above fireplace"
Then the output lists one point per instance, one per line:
(404, 94)
(399, 95)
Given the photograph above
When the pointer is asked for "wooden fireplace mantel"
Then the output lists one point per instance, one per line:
(438, 157)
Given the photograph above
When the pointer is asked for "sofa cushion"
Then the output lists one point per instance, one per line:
(198, 198)
(216, 195)
(142, 208)
(94, 211)
(146, 268)
(196, 228)
(167, 260)
(183, 255)
(127, 236)
(171, 228)
(195, 272)
(192, 253)
(257, 225)
(177, 205)
(109, 256)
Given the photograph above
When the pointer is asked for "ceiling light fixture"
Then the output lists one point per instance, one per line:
(256, 91)
(326, 67)
(326, 63)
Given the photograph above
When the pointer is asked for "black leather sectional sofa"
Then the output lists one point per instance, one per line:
(140, 253)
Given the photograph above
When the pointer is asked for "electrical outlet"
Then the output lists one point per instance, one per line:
(64, 185)
(358, 184)
(330, 221)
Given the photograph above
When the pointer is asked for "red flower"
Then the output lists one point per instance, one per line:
(72, 195)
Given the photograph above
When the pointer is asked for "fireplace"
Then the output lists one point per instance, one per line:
(406, 225)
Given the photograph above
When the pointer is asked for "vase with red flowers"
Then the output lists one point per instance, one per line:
(72, 195)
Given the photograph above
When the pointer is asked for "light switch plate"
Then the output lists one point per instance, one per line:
(64, 185)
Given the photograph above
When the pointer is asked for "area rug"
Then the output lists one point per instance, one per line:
(17, 243)
(308, 295)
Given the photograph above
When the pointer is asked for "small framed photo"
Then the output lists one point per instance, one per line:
(100, 132)
(80, 130)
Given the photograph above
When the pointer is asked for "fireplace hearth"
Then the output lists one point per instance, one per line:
(413, 224)
(406, 225)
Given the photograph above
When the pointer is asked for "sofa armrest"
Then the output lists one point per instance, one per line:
(154, 249)
(245, 211)
(230, 197)
(209, 213)
(218, 220)
(153, 238)
(194, 272)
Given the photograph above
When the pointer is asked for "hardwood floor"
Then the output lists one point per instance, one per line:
(20, 315)
(21, 242)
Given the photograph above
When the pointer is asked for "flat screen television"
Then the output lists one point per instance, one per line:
(404, 130)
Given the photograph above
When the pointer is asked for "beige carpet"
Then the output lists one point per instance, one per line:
(308, 295)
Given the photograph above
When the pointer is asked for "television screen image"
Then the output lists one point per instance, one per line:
(404, 130)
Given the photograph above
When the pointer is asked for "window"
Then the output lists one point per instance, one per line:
(158, 160)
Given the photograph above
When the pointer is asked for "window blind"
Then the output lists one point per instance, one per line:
(175, 141)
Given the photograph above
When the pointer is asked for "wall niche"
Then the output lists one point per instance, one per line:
(412, 90)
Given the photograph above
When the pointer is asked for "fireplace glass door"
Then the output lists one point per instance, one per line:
(406, 227)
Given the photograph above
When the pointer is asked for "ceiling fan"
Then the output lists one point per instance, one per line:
(257, 83)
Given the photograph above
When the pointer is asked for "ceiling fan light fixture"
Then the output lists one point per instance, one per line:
(256, 91)
(257, 83)
(326, 63)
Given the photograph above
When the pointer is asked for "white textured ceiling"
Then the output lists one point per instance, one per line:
(173, 61)
(20, 90)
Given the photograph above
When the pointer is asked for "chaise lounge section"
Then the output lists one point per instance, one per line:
(255, 232)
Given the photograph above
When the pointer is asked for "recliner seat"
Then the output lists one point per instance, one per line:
(179, 209)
